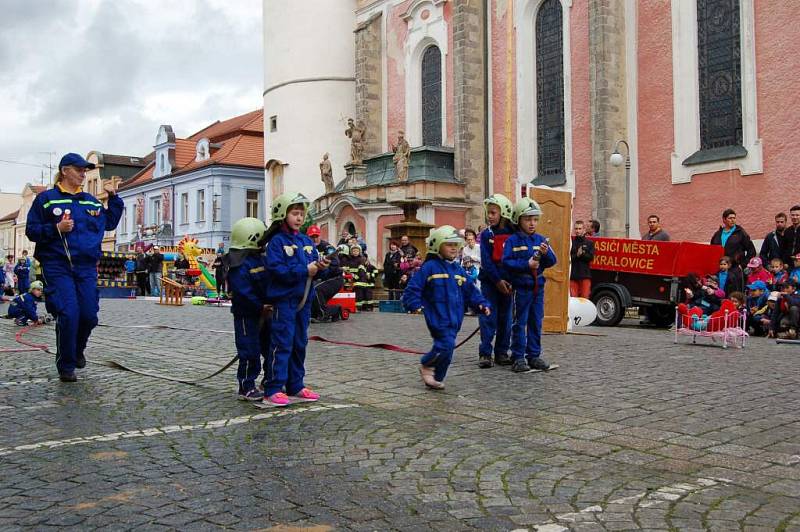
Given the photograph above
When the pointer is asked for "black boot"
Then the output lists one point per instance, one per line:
(503, 360)
(485, 361)
(538, 363)
(520, 366)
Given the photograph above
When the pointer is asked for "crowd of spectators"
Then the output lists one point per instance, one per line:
(762, 285)
(16, 275)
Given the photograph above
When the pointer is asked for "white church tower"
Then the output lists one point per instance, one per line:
(309, 91)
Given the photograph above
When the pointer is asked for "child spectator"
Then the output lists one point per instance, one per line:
(581, 253)
(23, 273)
(409, 267)
(23, 307)
(779, 273)
(703, 295)
(495, 285)
(292, 264)
(786, 315)
(758, 323)
(248, 284)
(794, 275)
(739, 300)
(730, 277)
(441, 289)
(525, 256)
(757, 272)
(757, 294)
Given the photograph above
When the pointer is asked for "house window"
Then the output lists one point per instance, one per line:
(201, 205)
(719, 65)
(432, 97)
(550, 95)
(215, 210)
(124, 226)
(185, 208)
(252, 203)
(273, 123)
(155, 214)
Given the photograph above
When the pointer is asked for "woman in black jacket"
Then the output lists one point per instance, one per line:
(391, 270)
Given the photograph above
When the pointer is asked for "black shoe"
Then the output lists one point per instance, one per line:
(503, 360)
(520, 365)
(67, 377)
(485, 361)
(538, 363)
(81, 362)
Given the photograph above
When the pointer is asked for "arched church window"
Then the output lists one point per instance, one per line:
(432, 97)
(719, 61)
(550, 95)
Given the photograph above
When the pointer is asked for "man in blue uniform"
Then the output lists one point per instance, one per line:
(67, 226)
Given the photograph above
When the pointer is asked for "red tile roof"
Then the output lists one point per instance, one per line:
(252, 122)
(242, 144)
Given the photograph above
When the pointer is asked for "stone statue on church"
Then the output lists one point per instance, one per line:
(326, 172)
(402, 156)
(356, 133)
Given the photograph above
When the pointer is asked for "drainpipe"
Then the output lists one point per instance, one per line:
(486, 102)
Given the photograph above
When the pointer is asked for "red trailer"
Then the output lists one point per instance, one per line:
(645, 274)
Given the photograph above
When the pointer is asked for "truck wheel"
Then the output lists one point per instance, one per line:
(661, 315)
(609, 308)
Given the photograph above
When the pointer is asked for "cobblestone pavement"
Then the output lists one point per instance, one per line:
(631, 432)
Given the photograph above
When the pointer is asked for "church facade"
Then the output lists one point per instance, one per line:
(529, 93)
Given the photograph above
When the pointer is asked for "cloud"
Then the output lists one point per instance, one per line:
(102, 75)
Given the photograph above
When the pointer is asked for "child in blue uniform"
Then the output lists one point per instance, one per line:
(292, 264)
(526, 255)
(248, 283)
(23, 272)
(23, 307)
(494, 282)
(441, 288)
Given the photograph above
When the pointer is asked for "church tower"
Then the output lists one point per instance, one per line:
(309, 91)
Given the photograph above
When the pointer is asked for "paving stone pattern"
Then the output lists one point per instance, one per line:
(632, 432)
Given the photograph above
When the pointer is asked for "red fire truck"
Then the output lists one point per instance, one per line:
(645, 274)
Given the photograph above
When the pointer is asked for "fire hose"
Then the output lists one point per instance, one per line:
(30, 346)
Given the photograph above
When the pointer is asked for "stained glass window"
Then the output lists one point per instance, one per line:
(550, 95)
(432, 97)
(719, 54)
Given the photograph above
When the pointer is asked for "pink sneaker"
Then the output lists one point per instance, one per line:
(276, 399)
(306, 395)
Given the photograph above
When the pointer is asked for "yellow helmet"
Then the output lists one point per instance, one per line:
(526, 207)
(282, 203)
(248, 233)
(506, 208)
(34, 285)
(443, 235)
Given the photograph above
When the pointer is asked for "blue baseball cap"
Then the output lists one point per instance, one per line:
(758, 285)
(73, 159)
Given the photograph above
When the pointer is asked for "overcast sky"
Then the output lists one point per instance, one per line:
(82, 75)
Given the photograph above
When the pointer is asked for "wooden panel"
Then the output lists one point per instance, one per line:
(556, 224)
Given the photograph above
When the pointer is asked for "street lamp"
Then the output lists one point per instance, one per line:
(616, 159)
